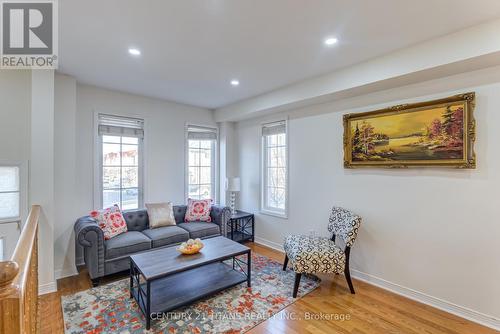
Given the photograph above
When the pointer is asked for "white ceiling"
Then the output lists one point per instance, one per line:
(191, 49)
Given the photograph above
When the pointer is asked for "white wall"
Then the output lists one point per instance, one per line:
(65, 170)
(435, 231)
(15, 111)
(26, 137)
(15, 94)
(41, 189)
(227, 163)
(164, 153)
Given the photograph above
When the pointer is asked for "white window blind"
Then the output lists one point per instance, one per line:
(275, 128)
(201, 154)
(201, 133)
(274, 181)
(121, 126)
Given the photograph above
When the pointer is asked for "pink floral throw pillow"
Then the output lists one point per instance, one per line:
(198, 210)
(110, 221)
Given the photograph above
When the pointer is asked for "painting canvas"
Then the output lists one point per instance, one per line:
(434, 133)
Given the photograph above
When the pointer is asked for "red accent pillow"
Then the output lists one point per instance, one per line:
(198, 210)
(111, 221)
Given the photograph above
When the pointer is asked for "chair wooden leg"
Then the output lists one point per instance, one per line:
(348, 278)
(285, 263)
(296, 285)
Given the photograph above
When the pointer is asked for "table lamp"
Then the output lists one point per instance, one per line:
(233, 185)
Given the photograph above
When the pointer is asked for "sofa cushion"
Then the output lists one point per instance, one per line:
(160, 214)
(179, 213)
(198, 210)
(137, 220)
(110, 220)
(162, 236)
(200, 229)
(126, 243)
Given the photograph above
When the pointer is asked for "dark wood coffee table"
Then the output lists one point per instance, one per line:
(171, 280)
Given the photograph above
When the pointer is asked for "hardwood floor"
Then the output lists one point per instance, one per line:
(371, 310)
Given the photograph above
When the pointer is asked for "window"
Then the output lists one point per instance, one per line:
(2, 249)
(201, 146)
(10, 193)
(121, 161)
(274, 169)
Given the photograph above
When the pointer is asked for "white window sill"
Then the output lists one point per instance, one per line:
(277, 214)
(13, 220)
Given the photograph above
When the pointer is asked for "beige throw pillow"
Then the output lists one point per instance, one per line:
(160, 214)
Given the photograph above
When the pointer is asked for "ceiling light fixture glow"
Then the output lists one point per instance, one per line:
(331, 41)
(235, 82)
(134, 52)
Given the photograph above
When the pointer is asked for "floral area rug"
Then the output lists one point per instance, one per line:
(108, 308)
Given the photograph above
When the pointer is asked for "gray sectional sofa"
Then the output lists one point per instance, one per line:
(104, 257)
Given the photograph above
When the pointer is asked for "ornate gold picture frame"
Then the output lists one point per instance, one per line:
(437, 133)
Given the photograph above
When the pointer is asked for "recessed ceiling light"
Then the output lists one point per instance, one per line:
(235, 82)
(134, 52)
(331, 41)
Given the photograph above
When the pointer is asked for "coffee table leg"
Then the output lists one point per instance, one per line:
(148, 306)
(249, 268)
(131, 279)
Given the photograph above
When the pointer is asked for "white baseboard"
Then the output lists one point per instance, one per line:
(461, 311)
(271, 244)
(47, 288)
(79, 261)
(65, 272)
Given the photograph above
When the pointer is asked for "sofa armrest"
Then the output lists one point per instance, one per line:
(89, 235)
(83, 227)
(220, 215)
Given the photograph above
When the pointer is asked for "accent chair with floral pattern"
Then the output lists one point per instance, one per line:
(313, 255)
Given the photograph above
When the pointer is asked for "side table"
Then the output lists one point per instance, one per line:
(241, 227)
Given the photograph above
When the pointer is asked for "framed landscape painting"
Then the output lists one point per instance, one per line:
(434, 133)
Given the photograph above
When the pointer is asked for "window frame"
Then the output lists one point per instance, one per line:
(2, 248)
(98, 166)
(23, 193)
(214, 174)
(264, 209)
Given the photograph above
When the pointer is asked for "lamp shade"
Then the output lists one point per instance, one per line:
(233, 184)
